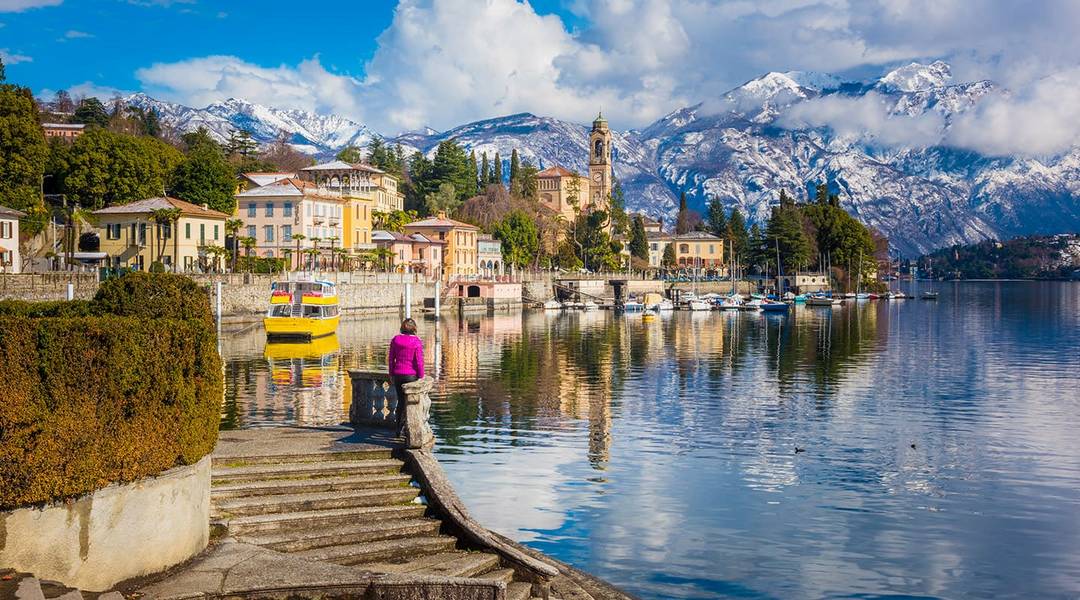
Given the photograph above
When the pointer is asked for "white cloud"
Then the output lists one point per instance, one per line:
(14, 59)
(867, 118)
(21, 5)
(1040, 119)
(202, 81)
(445, 62)
(73, 34)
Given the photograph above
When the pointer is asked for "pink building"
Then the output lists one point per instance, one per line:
(413, 253)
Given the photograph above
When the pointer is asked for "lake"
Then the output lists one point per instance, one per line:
(939, 440)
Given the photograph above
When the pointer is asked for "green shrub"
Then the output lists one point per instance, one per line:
(157, 267)
(93, 396)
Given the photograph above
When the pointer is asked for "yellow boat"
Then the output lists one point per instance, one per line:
(302, 310)
(303, 364)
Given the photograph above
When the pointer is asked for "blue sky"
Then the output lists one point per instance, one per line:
(440, 63)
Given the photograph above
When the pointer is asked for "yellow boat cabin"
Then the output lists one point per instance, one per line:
(302, 310)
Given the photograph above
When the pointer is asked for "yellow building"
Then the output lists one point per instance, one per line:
(130, 237)
(364, 190)
(460, 256)
(600, 178)
(698, 249)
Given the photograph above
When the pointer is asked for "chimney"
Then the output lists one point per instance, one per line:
(205, 206)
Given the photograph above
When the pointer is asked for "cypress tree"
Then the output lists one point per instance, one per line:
(497, 173)
(515, 166)
(822, 193)
(682, 222)
(740, 241)
(475, 173)
(639, 244)
(485, 176)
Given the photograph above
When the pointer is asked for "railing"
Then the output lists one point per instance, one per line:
(374, 401)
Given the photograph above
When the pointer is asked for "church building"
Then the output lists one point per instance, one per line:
(569, 193)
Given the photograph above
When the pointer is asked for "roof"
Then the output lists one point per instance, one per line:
(441, 221)
(696, 235)
(381, 235)
(289, 186)
(11, 212)
(657, 235)
(419, 237)
(71, 126)
(340, 165)
(162, 202)
(267, 177)
(557, 171)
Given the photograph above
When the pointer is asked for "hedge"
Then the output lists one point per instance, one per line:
(112, 390)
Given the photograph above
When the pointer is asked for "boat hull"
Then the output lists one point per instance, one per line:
(299, 328)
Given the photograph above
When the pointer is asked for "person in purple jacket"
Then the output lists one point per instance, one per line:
(406, 363)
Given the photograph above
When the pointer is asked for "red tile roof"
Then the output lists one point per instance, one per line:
(557, 171)
(151, 204)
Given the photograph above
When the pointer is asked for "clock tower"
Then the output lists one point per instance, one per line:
(599, 164)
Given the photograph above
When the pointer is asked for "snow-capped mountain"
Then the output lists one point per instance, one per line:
(307, 132)
(743, 147)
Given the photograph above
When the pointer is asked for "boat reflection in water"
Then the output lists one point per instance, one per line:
(307, 375)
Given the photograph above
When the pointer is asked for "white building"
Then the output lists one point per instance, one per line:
(10, 261)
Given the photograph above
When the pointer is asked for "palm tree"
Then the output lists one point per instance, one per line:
(163, 217)
(248, 243)
(312, 253)
(314, 246)
(343, 256)
(232, 227)
(298, 237)
(333, 240)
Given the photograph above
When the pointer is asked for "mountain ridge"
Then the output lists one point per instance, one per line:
(745, 145)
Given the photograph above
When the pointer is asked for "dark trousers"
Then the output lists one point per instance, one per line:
(399, 381)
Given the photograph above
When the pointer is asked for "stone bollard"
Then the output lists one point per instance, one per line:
(418, 433)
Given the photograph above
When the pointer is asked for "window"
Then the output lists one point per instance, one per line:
(187, 231)
(251, 231)
(286, 232)
(654, 246)
(251, 209)
(269, 209)
(308, 210)
(711, 249)
(202, 233)
(268, 233)
(112, 231)
(165, 230)
(684, 248)
(142, 234)
(286, 209)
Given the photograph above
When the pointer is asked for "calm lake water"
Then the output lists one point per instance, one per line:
(942, 439)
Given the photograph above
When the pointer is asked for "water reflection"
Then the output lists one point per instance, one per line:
(940, 456)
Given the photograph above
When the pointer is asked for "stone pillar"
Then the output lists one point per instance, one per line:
(418, 432)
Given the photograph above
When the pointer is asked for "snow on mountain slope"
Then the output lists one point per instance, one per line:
(734, 148)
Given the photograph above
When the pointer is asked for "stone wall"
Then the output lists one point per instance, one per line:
(38, 287)
(115, 533)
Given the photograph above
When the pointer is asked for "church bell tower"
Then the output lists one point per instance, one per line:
(599, 164)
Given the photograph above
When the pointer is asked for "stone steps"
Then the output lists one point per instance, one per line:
(277, 522)
(299, 486)
(290, 503)
(355, 554)
(518, 590)
(470, 564)
(309, 470)
(277, 459)
(307, 539)
(503, 575)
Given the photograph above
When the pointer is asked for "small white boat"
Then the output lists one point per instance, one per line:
(553, 305)
(822, 301)
(862, 296)
(929, 295)
(590, 305)
(752, 304)
(698, 305)
(774, 306)
(850, 295)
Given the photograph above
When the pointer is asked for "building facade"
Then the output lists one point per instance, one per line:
(10, 260)
(568, 193)
(413, 253)
(64, 131)
(276, 212)
(459, 257)
(658, 243)
(600, 179)
(698, 250)
(130, 237)
(489, 256)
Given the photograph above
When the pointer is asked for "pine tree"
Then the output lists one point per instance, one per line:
(515, 166)
(377, 153)
(668, 260)
(485, 177)
(717, 219)
(3, 71)
(350, 154)
(822, 193)
(92, 112)
(498, 173)
(785, 200)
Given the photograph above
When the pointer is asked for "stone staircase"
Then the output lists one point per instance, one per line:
(348, 508)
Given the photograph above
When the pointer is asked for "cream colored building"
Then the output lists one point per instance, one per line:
(130, 237)
(10, 261)
(698, 249)
(460, 254)
(364, 190)
(275, 212)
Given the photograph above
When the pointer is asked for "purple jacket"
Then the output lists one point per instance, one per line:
(406, 356)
